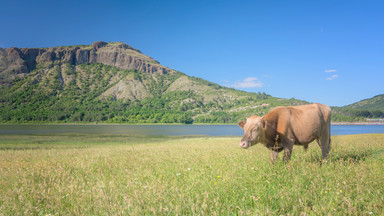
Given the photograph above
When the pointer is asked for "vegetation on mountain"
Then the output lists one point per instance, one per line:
(373, 104)
(102, 93)
(372, 108)
(116, 83)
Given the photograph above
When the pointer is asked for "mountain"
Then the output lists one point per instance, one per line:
(374, 103)
(116, 83)
(372, 108)
(15, 62)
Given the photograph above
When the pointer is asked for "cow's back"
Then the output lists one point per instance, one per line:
(302, 123)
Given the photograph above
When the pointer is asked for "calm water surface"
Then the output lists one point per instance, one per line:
(173, 130)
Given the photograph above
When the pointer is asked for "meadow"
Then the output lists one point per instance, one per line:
(76, 174)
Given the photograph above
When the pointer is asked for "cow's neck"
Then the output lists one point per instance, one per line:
(263, 139)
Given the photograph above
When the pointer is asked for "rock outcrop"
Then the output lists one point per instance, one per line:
(18, 61)
(98, 44)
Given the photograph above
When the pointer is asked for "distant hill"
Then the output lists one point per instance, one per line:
(116, 83)
(372, 108)
(375, 103)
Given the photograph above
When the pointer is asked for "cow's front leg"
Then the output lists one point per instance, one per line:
(288, 146)
(274, 155)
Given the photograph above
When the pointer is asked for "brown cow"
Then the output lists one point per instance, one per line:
(284, 127)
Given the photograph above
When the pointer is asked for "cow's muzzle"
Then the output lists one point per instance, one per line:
(244, 144)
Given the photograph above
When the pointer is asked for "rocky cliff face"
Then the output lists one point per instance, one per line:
(16, 62)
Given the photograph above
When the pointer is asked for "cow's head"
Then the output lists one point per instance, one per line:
(254, 129)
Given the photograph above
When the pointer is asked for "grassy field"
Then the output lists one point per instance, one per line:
(78, 174)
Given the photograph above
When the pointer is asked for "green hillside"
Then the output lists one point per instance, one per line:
(375, 103)
(59, 89)
(372, 108)
(116, 83)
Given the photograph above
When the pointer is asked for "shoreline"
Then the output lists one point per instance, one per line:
(357, 123)
(137, 124)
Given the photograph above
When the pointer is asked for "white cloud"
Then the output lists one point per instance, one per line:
(334, 76)
(249, 82)
(330, 71)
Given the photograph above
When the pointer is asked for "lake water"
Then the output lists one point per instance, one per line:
(172, 130)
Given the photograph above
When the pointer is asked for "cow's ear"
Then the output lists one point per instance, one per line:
(263, 123)
(241, 124)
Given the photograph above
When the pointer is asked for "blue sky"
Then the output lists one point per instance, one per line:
(330, 52)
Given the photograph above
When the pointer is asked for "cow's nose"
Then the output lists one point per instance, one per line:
(243, 144)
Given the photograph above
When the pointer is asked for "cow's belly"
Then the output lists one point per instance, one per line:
(306, 137)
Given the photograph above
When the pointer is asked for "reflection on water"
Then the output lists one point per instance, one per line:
(172, 130)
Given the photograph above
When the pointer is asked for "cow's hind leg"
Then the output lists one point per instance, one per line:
(325, 145)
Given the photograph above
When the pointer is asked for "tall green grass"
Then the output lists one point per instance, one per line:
(121, 175)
